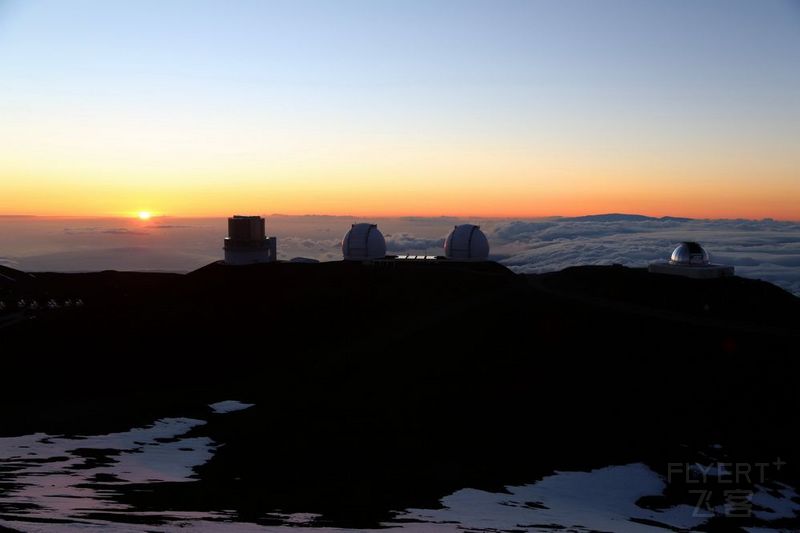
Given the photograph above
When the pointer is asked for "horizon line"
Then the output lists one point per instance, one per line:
(133, 216)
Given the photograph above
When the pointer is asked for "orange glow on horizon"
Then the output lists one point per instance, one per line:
(467, 190)
(485, 203)
(488, 206)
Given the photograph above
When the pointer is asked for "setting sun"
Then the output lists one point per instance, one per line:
(144, 215)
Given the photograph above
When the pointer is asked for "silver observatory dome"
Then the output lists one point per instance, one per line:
(362, 242)
(466, 243)
(690, 253)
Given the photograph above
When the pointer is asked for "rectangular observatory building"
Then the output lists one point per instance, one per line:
(247, 242)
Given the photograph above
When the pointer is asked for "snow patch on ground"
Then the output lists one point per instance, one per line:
(57, 477)
(603, 499)
(229, 406)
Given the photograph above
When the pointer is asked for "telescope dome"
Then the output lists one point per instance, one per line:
(363, 241)
(690, 253)
(466, 243)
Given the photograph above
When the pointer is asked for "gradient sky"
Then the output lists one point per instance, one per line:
(488, 108)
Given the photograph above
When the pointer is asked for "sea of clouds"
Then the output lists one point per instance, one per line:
(765, 249)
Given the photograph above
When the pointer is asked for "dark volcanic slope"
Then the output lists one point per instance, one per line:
(723, 301)
(380, 386)
(10, 275)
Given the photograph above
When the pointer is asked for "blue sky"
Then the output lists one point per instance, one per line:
(287, 89)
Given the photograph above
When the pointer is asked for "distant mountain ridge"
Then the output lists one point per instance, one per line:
(621, 217)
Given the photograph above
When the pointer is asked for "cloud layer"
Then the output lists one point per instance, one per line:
(765, 249)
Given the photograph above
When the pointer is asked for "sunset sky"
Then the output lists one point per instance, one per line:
(435, 107)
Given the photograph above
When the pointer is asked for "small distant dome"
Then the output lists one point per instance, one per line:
(690, 253)
(466, 243)
(363, 241)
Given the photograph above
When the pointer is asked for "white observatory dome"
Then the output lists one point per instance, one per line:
(689, 253)
(363, 241)
(466, 243)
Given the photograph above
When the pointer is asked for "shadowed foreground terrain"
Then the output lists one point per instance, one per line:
(384, 386)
